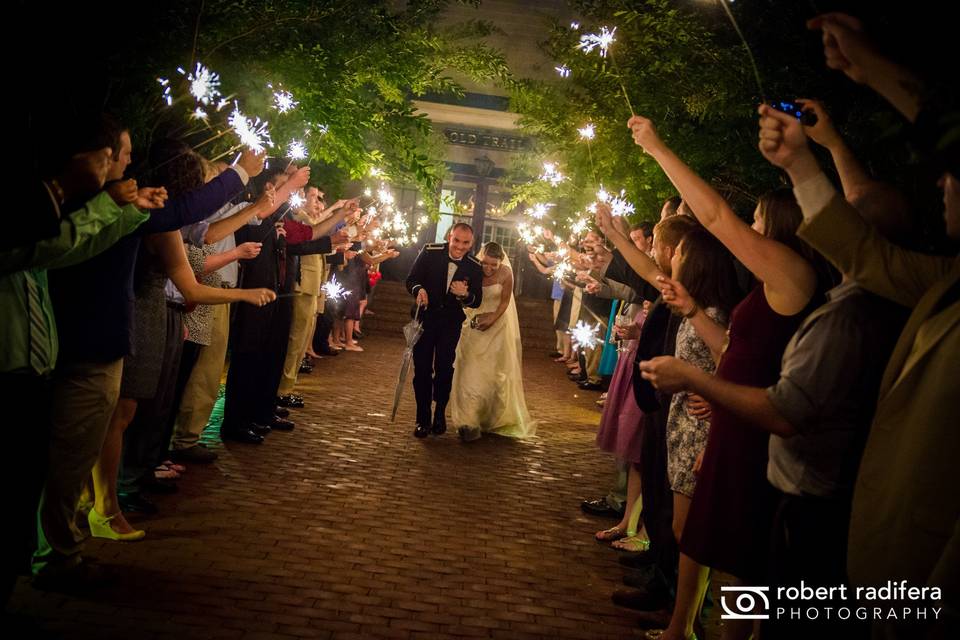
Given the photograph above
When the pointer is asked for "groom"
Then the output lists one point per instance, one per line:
(445, 278)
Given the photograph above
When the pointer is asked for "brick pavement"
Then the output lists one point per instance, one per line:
(348, 527)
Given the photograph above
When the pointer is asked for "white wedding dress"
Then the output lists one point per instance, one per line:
(487, 389)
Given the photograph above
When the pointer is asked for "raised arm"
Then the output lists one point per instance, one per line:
(640, 262)
(789, 281)
(833, 227)
(262, 208)
(169, 246)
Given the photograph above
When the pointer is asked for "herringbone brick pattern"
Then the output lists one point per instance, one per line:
(348, 527)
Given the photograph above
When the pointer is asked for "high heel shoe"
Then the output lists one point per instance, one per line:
(100, 528)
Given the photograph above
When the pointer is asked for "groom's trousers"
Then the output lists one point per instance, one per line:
(433, 357)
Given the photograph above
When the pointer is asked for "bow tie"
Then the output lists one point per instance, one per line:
(457, 262)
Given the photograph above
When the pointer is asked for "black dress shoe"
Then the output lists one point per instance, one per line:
(555, 354)
(261, 430)
(280, 412)
(600, 507)
(305, 368)
(591, 386)
(279, 424)
(422, 431)
(246, 436)
(197, 454)
(290, 400)
(136, 503)
(439, 425)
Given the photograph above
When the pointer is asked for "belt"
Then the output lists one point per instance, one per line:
(179, 306)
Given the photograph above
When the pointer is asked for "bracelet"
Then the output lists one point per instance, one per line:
(692, 312)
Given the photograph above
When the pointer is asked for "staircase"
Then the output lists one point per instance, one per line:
(391, 307)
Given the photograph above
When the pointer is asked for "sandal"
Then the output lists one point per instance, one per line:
(611, 534)
(632, 544)
(179, 468)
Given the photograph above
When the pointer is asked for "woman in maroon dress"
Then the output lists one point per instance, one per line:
(728, 523)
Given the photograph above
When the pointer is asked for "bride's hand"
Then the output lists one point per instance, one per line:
(484, 321)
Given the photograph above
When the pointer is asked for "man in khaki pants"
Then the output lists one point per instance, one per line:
(307, 302)
(203, 386)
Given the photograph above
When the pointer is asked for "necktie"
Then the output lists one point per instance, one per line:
(39, 332)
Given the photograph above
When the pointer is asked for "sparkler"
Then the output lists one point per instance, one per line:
(297, 150)
(199, 114)
(296, 200)
(602, 41)
(563, 70)
(587, 132)
(619, 205)
(283, 101)
(562, 269)
(204, 84)
(753, 62)
(585, 336)
(539, 210)
(551, 173)
(333, 290)
(252, 134)
(574, 25)
(579, 226)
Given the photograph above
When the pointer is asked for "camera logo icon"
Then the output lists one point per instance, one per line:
(748, 603)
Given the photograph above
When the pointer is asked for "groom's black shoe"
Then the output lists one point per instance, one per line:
(422, 431)
(439, 424)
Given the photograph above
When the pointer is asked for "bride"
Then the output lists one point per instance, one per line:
(487, 393)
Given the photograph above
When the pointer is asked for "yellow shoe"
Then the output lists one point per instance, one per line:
(100, 528)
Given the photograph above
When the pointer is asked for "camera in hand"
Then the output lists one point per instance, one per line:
(806, 117)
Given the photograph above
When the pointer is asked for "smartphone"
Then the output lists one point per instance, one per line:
(807, 118)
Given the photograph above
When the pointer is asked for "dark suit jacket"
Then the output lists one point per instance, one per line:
(429, 271)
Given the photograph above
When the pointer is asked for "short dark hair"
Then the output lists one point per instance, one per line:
(671, 230)
(646, 227)
(461, 225)
(672, 203)
(176, 166)
(72, 133)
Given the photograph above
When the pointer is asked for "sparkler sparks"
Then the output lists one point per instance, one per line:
(587, 132)
(539, 210)
(602, 41)
(199, 114)
(283, 101)
(204, 84)
(585, 336)
(296, 200)
(333, 290)
(254, 135)
(562, 269)
(579, 226)
(574, 25)
(551, 173)
(563, 70)
(297, 150)
(619, 205)
(165, 91)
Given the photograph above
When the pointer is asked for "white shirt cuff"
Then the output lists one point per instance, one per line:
(244, 177)
(814, 194)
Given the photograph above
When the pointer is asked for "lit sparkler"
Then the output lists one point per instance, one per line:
(253, 134)
(297, 150)
(575, 25)
(619, 205)
(199, 114)
(283, 101)
(296, 200)
(587, 132)
(204, 84)
(585, 336)
(562, 269)
(551, 173)
(563, 70)
(602, 41)
(539, 210)
(333, 290)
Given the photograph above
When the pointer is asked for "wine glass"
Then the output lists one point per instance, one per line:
(621, 321)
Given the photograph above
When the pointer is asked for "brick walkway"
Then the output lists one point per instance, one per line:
(348, 527)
